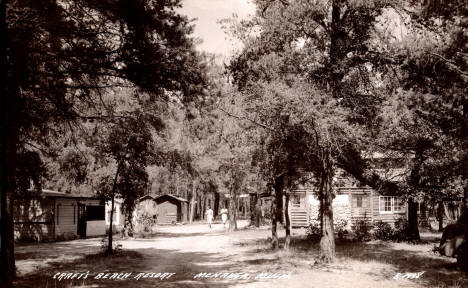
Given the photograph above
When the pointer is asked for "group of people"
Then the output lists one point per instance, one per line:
(209, 216)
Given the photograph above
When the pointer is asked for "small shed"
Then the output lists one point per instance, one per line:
(54, 215)
(166, 208)
(171, 209)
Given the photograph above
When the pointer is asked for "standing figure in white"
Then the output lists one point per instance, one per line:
(209, 216)
(224, 215)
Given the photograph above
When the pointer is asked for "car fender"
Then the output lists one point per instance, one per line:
(450, 246)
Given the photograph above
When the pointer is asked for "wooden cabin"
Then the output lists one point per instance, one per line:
(54, 215)
(166, 208)
(353, 202)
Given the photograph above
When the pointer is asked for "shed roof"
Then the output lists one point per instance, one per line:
(58, 194)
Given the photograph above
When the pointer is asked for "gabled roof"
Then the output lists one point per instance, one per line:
(146, 197)
(175, 197)
(156, 197)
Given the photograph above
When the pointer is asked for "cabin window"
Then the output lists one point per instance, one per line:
(389, 204)
(359, 201)
(396, 204)
(296, 201)
(95, 213)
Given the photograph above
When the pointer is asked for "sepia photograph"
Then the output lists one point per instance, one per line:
(234, 143)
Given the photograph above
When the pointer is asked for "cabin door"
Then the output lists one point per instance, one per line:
(82, 220)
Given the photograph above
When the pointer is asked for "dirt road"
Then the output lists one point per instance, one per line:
(196, 256)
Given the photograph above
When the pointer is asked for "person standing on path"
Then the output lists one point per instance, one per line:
(224, 215)
(209, 216)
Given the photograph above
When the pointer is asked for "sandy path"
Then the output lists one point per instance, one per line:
(189, 250)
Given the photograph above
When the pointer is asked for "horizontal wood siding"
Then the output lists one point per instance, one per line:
(298, 217)
(369, 210)
(34, 232)
(169, 218)
(360, 213)
(34, 219)
(167, 212)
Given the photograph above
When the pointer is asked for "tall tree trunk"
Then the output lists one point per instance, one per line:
(464, 164)
(279, 186)
(202, 207)
(192, 203)
(128, 229)
(415, 179)
(279, 206)
(440, 215)
(9, 139)
(258, 213)
(337, 53)
(413, 229)
(287, 223)
(274, 220)
(111, 220)
(277, 210)
(114, 186)
(216, 204)
(253, 210)
(233, 212)
(465, 195)
(327, 240)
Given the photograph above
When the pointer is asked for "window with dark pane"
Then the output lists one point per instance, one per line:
(94, 213)
(359, 201)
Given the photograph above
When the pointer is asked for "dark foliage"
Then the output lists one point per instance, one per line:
(383, 231)
(313, 231)
(362, 230)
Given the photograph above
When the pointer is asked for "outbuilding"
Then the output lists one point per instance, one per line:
(54, 215)
(166, 208)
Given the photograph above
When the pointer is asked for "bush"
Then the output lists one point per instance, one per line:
(383, 231)
(313, 230)
(362, 230)
(146, 221)
(340, 228)
(401, 230)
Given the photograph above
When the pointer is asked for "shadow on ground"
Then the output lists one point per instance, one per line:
(55, 250)
(439, 271)
(186, 265)
(244, 255)
(156, 235)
